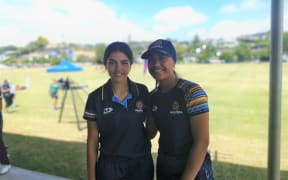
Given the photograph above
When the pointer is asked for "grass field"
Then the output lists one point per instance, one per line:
(238, 99)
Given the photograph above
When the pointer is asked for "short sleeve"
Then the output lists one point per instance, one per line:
(196, 100)
(90, 111)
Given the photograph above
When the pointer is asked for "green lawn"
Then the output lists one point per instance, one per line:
(238, 99)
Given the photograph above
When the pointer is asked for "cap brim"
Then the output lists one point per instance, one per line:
(146, 54)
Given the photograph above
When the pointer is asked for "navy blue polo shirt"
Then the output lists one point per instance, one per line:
(172, 111)
(122, 131)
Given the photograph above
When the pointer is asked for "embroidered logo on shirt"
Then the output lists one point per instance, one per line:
(139, 106)
(154, 108)
(107, 110)
(175, 108)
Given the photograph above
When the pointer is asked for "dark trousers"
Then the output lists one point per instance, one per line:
(8, 100)
(172, 167)
(120, 168)
(3, 151)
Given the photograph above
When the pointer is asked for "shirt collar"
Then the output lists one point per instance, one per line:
(108, 93)
(123, 102)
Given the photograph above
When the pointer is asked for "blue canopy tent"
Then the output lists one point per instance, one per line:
(64, 66)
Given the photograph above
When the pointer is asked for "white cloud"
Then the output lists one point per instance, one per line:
(229, 8)
(172, 19)
(227, 29)
(11, 35)
(243, 6)
(252, 4)
(285, 19)
(85, 21)
(90, 21)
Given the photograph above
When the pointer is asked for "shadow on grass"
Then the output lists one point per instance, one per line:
(228, 171)
(80, 125)
(68, 159)
(60, 158)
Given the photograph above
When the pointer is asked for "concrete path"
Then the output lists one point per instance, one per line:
(16, 173)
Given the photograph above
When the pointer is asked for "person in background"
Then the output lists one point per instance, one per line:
(13, 89)
(61, 81)
(53, 90)
(115, 114)
(66, 84)
(4, 160)
(6, 94)
(181, 115)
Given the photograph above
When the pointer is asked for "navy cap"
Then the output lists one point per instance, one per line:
(162, 46)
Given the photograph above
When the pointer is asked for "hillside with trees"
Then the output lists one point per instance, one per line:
(41, 52)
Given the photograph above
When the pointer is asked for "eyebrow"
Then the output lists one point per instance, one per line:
(123, 60)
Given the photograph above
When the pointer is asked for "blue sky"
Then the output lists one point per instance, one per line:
(96, 21)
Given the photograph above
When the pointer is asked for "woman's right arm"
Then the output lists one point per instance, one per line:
(92, 148)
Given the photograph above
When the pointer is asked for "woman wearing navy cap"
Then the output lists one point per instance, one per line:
(181, 115)
(115, 114)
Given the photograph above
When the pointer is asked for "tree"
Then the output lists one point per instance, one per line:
(207, 52)
(196, 42)
(100, 49)
(242, 52)
(180, 51)
(7, 48)
(262, 54)
(83, 58)
(203, 57)
(10, 61)
(42, 42)
(227, 56)
(285, 42)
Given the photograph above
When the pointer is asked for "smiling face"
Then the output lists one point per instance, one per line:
(118, 66)
(161, 67)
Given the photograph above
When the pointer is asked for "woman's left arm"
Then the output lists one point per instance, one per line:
(200, 134)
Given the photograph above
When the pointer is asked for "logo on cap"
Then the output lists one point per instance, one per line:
(157, 43)
(162, 46)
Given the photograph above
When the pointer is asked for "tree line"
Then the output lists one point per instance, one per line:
(246, 48)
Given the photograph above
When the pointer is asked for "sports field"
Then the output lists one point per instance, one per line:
(238, 99)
